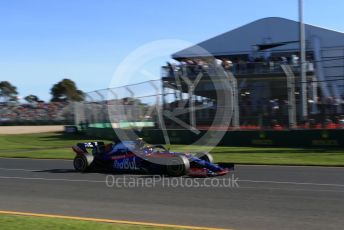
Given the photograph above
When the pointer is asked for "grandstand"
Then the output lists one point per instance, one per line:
(255, 55)
(241, 88)
(261, 62)
(36, 113)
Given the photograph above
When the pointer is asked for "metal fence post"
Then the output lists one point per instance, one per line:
(291, 95)
(236, 113)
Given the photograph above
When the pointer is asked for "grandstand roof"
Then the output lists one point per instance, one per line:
(272, 30)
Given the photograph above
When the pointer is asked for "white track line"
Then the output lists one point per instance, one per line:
(290, 166)
(25, 170)
(237, 165)
(292, 189)
(35, 159)
(293, 183)
(103, 181)
(51, 179)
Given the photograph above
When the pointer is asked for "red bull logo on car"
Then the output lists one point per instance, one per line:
(125, 164)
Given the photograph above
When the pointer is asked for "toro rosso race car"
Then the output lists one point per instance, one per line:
(138, 157)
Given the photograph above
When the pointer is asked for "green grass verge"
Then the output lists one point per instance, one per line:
(274, 156)
(13, 222)
(41, 145)
(58, 146)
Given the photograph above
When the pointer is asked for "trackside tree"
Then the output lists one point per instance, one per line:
(8, 92)
(66, 90)
(31, 98)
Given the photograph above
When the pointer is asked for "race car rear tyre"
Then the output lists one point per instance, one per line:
(178, 166)
(206, 157)
(82, 162)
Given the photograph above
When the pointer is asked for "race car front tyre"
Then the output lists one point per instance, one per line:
(206, 157)
(82, 162)
(178, 166)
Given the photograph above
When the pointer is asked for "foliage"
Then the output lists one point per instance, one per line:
(31, 98)
(8, 92)
(66, 90)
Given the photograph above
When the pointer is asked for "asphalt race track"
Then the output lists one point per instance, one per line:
(268, 197)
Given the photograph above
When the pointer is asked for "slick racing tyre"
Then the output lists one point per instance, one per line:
(178, 166)
(82, 162)
(206, 157)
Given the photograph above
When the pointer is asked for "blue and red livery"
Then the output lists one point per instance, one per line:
(138, 157)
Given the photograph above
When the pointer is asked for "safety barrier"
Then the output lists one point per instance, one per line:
(278, 138)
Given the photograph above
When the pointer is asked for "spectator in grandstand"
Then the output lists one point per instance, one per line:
(328, 105)
(283, 104)
(341, 122)
(310, 66)
(335, 105)
(217, 62)
(275, 125)
(183, 65)
(40, 112)
(227, 64)
(271, 65)
(284, 60)
(342, 103)
(171, 69)
(294, 60)
(274, 107)
(327, 122)
(242, 66)
(201, 65)
(311, 124)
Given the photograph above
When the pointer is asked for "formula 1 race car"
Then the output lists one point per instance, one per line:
(138, 157)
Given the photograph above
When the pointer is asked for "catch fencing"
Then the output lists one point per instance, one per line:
(264, 97)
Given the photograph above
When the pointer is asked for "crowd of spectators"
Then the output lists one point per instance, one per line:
(40, 111)
(269, 113)
(237, 65)
(322, 112)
